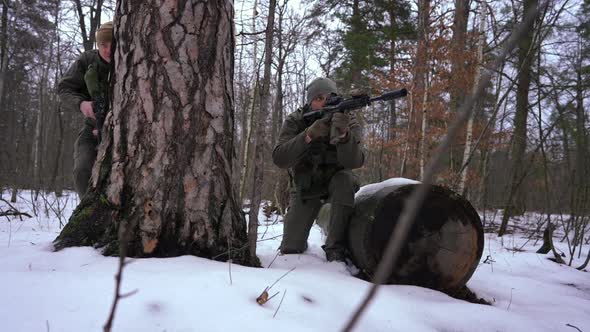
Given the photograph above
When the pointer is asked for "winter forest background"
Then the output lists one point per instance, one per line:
(524, 149)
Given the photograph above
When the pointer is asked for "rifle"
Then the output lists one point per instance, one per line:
(336, 103)
(100, 112)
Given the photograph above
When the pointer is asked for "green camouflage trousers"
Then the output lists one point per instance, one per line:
(84, 157)
(302, 213)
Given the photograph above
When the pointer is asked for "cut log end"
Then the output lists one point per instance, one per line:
(443, 247)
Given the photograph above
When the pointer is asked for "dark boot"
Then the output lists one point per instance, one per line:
(335, 255)
(337, 239)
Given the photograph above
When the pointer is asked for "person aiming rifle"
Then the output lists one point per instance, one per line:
(320, 144)
(84, 88)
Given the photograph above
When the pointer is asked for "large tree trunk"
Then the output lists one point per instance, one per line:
(4, 35)
(164, 166)
(4, 123)
(56, 127)
(38, 129)
(515, 202)
(581, 139)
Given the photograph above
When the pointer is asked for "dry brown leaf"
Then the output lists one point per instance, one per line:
(263, 298)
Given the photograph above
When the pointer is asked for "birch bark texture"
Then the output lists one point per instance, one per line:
(165, 163)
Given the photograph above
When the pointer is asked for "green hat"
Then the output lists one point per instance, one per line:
(320, 86)
(104, 34)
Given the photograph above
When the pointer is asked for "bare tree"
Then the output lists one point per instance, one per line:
(259, 140)
(251, 123)
(418, 97)
(515, 200)
(469, 135)
(89, 33)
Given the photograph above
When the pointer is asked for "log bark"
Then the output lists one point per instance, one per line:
(443, 248)
(164, 166)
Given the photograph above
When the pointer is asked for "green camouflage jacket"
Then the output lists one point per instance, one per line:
(313, 165)
(86, 77)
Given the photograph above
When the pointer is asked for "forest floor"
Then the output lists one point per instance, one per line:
(72, 290)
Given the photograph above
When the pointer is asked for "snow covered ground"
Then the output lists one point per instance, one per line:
(72, 290)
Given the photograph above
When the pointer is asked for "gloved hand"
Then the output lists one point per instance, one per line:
(341, 125)
(357, 93)
(320, 128)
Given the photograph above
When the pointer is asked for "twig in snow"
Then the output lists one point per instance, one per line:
(9, 233)
(245, 246)
(12, 211)
(509, 303)
(229, 261)
(281, 277)
(282, 298)
(488, 260)
(270, 238)
(275, 294)
(125, 232)
(572, 326)
(124, 295)
(273, 260)
(263, 297)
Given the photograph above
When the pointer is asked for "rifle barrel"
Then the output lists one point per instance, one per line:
(354, 103)
(391, 95)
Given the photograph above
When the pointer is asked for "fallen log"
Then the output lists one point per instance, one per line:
(444, 245)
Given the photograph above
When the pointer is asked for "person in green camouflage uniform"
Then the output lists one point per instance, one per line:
(86, 79)
(319, 171)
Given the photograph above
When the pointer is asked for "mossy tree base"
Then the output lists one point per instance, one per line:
(96, 223)
(89, 225)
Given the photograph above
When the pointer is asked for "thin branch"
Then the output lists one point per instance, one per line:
(229, 261)
(399, 235)
(270, 298)
(269, 287)
(282, 298)
(124, 295)
(125, 232)
(14, 214)
(273, 260)
(243, 33)
(12, 211)
(270, 238)
(572, 326)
